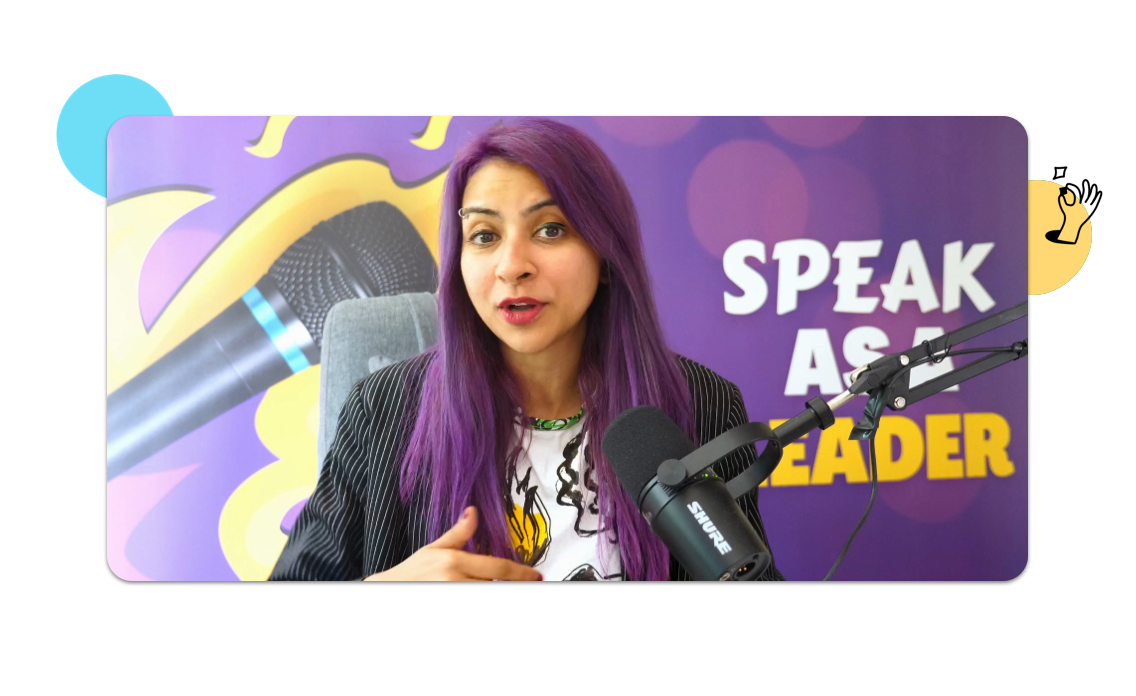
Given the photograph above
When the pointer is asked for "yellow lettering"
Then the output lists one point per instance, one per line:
(986, 435)
(836, 454)
(787, 473)
(942, 442)
(910, 438)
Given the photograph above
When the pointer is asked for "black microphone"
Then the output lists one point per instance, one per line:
(274, 331)
(698, 519)
(693, 510)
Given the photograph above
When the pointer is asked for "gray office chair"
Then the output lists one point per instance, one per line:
(365, 335)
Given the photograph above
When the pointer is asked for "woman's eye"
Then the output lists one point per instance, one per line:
(554, 228)
(551, 227)
(481, 238)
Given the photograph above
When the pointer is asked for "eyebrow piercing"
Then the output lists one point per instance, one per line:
(462, 214)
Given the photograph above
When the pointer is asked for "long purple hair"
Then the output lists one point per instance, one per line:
(464, 440)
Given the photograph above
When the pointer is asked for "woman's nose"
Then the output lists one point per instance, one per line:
(514, 256)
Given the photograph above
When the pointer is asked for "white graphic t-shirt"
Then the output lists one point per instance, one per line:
(554, 519)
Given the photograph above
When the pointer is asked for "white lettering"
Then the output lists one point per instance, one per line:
(910, 264)
(958, 275)
(850, 276)
(813, 364)
(910, 278)
(861, 347)
(754, 289)
(790, 280)
(716, 537)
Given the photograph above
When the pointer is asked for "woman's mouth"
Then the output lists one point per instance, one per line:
(523, 311)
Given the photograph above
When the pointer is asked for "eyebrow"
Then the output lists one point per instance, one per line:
(470, 210)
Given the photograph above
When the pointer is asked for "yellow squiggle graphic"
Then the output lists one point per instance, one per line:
(249, 528)
(289, 416)
(272, 139)
(133, 225)
(435, 134)
(244, 255)
(287, 420)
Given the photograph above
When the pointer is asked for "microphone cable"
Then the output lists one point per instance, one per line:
(935, 358)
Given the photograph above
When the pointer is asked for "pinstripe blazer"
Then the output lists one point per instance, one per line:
(355, 525)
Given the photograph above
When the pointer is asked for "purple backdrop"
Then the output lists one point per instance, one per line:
(700, 185)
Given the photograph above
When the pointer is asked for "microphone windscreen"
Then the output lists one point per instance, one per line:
(638, 440)
(368, 251)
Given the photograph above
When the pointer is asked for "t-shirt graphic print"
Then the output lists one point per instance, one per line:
(554, 518)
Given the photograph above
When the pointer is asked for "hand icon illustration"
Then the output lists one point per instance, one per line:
(1079, 217)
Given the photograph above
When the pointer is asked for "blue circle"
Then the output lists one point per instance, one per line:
(86, 119)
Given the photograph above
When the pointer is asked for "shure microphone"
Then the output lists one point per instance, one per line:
(274, 331)
(698, 520)
(693, 510)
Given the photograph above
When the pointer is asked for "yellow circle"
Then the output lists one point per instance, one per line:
(1052, 264)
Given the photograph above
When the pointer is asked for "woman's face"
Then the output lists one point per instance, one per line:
(529, 274)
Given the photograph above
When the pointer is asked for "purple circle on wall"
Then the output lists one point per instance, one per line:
(814, 131)
(647, 131)
(841, 200)
(746, 189)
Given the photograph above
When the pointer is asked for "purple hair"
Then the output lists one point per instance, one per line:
(464, 440)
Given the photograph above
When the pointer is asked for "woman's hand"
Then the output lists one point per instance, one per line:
(444, 559)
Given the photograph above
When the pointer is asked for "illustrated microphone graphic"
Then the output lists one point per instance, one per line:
(274, 331)
(698, 520)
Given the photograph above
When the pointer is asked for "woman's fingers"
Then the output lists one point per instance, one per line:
(491, 568)
(457, 536)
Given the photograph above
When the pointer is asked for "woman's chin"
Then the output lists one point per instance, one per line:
(525, 345)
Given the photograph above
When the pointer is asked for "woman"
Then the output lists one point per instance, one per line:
(480, 458)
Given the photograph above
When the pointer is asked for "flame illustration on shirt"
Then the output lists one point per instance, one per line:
(528, 523)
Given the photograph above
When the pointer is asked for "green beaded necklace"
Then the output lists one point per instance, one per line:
(557, 424)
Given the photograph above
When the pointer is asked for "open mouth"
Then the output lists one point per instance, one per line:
(521, 312)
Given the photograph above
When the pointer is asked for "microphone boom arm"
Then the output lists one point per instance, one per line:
(884, 380)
